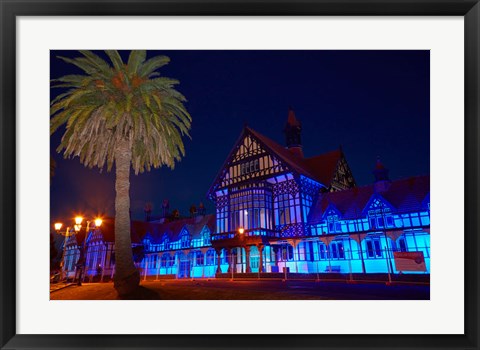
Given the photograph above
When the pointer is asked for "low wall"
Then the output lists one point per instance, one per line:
(361, 277)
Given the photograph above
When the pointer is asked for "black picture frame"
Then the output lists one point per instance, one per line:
(9, 339)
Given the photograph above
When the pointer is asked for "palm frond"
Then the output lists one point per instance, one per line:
(111, 104)
(135, 60)
(116, 59)
(151, 65)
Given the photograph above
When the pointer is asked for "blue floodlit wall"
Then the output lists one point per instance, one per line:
(331, 245)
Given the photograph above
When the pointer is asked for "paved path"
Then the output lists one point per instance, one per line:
(57, 286)
(242, 290)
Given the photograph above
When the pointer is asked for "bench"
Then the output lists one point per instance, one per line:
(336, 269)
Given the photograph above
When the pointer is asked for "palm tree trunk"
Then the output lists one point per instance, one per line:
(127, 277)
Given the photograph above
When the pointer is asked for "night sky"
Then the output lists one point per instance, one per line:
(373, 103)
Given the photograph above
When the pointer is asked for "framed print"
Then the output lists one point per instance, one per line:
(250, 175)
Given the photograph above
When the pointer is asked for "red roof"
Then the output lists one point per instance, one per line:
(324, 165)
(108, 232)
(405, 195)
(156, 229)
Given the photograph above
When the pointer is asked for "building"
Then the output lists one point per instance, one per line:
(278, 211)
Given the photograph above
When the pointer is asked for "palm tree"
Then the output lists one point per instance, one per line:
(122, 114)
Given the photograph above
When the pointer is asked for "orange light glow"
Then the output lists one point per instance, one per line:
(58, 226)
(78, 220)
(98, 222)
(241, 230)
(77, 227)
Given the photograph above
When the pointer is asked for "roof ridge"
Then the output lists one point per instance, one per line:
(356, 188)
(322, 154)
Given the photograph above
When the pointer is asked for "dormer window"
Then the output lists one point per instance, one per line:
(379, 215)
(206, 236)
(333, 224)
(146, 244)
(185, 240)
(333, 221)
(165, 242)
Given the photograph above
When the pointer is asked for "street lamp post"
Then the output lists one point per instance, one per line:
(77, 227)
(241, 231)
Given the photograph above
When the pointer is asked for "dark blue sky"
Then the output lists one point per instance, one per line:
(373, 103)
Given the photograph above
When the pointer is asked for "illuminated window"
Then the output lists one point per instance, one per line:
(251, 208)
(425, 218)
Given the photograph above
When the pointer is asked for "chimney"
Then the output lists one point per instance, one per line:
(382, 181)
(293, 133)
(165, 208)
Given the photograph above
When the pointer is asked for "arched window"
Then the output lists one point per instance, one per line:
(234, 255)
(210, 257)
(323, 251)
(199, 258)
(374, 247)
(287, 252)
(309, 253)
(165, 260)
(337, 250)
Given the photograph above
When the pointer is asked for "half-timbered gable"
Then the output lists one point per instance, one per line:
(250, 160)
(342, 178)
